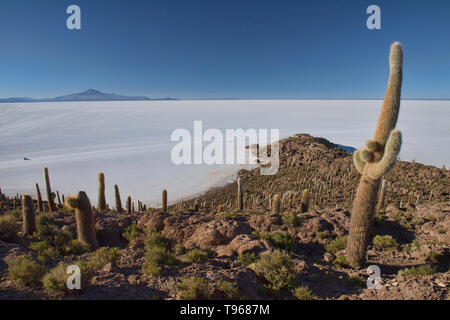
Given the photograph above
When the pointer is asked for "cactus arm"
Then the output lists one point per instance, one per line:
(72, 202)
(359, 164)
(391, 103)
(392, 149)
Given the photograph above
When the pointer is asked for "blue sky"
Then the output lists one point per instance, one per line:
(250, 49)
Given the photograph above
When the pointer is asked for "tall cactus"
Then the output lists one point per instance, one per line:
(101, 204)
(164, 200)
(50, 195)
(373, 161)
(84, 217)
(59, 199)
(240, 195)
(118, 202)
(39, 199)
(28, 214)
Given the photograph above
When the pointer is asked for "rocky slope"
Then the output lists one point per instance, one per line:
(195, 251)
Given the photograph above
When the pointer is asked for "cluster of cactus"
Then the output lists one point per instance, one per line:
(374, 161)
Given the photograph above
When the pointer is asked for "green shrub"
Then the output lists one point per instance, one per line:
(25, 270)
(246, 259)
(45, 252)
(179, 248)
(303, 293)
(321, 234)
(336, 245)
(434, 257)
(357, 281)
(131, 232)
(193, 288)
(155, 239)
(385, 243)
(281, 240)
(290, 219)
(55, 281)
(77, 247)
(229, 289)
(155, 257)
(276, 268)
(340, 262)
(8, 227)
(196, 255)
(422, 270)
(101, 257)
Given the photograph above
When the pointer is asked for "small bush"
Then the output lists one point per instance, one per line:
(193, 288)
(434, 257)
(336, 245)
(290, 219)
(25, 270)
(281, 240)
(45, 252)
(8, 227)
(340, 262)
(276, 268)
(229, 289)
(155, 257)
(77, 247)
(55, 281)
(303, 293)
(196, 255)
(357, 281)
(246, 259)
(321, 234)
(101, 257)
(131, 232)
(155, 239)
(179, 248)
(422, 270)
(385, 243)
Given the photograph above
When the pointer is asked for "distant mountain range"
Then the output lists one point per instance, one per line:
(88, 95)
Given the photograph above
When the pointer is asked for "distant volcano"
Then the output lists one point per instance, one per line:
(88, 95)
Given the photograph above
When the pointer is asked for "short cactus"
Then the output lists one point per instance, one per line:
(240, 195)
(28, 214)
(305, 201)
(101, 205)
(164, 200)
(118, 202)
(50, 196)
(380, 205)
(84, 217)
(276, 204)
(39, 199)
(373, 161)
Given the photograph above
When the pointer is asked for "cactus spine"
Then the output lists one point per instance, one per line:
(28, 214)
(276, 204)
(84, 217)
(305, 201)
(101, 205)
(129, 204)
(50, 195)
(373, 161)
(39, 199)
(118, 202)
(164, 200)
(380, 205)
(240, 195)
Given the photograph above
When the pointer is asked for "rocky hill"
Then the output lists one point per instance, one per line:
(207, 248)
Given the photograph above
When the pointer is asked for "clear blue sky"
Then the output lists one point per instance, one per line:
(248, 49)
